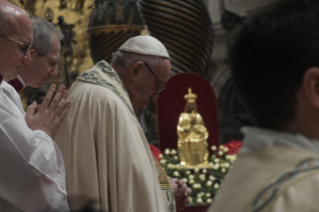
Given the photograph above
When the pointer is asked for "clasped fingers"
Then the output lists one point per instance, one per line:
(61, 105)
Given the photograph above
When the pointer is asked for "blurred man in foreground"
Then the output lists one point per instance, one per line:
(274, 62)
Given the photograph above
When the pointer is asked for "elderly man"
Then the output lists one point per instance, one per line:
(33, 171)
(274, 61)
(106, 153)
(45, 54)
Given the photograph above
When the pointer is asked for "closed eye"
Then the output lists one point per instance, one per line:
(24, 49)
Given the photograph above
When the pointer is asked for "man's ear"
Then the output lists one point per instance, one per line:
(32, 53)
(310, 85)
(135, 70)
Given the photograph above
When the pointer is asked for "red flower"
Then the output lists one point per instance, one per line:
(233, 147)
(156, 151)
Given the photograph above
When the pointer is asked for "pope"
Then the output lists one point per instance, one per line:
(106, 154)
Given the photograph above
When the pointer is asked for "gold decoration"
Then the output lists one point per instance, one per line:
(192, 135)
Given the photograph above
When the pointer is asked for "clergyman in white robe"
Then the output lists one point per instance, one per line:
(106, 154)
(32, 175)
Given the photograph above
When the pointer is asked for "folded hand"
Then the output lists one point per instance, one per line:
(49, 116)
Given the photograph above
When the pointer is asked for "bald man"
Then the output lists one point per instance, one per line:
(16, 39)
(32, 170)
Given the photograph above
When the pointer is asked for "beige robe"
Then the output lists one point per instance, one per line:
(106, 154)
(273, 178)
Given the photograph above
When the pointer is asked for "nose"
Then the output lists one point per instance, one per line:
(154, 96)
(27, 57)
(54, 72)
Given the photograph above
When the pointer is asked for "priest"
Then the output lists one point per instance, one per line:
(45, 55)
(33, 172)
(107, 156)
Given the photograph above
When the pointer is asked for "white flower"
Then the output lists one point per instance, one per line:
(212, 178)
(231, 158)
(202, 177)
(177, 166)
(226, 165)
(191, 181)
(209, 183)
(173, 152)
(204, 171)
(220, 152)
(197, 186)
(176, 157)
(191, 176)
(160, 156)
(167, 152)
(216, 185)
(208, 195)
(199, 200)
(176, 174)
(199, 195)
(188, 172)
(190, 199)
(196, 170)
(170, 166)
(221, 147)
(216, 166)
(214, 148)
(223, 170)
(209, 200)
(216, 160)
(163, 161)
(225, 149)
(185, 180)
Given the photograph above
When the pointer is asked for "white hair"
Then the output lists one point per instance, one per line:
(123, 59)
(42, 33)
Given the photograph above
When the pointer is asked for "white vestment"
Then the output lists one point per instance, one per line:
(274, 172)
(107, 157)
(32, 177)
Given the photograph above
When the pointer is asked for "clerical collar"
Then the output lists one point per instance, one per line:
(257, 138)
(17, 83)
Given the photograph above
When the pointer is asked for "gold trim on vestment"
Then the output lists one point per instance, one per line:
(162, 177)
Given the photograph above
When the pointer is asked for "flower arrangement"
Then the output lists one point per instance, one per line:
(204, 182)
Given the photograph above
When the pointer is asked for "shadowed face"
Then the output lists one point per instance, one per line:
(42, 68)
(146, 85)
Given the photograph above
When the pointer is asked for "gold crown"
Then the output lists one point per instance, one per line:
(190, 97)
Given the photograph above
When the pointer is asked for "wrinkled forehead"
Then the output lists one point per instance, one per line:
(55, 45)
(165, 70)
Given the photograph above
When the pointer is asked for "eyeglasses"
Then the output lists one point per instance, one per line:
(27, 47)
(163, 86)
(53, 64)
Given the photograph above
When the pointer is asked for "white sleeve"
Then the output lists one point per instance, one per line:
(32, 171)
